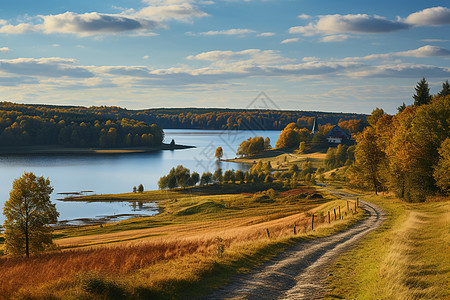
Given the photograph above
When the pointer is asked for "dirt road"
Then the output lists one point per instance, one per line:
(300, 272)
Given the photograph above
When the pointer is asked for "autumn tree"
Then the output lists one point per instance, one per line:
(422, 95)
(267, 145)
(219, 153)
(28, 213)
(442, 169)
(368, 158)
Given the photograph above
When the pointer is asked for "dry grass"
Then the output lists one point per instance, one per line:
(191, 245)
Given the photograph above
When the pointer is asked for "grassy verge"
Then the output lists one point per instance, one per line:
(406, 258)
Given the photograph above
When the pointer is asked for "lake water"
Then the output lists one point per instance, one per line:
(119, 173)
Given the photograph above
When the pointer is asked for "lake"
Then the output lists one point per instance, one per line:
(119, 173)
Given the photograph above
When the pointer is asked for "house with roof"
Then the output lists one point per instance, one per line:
(337, 135)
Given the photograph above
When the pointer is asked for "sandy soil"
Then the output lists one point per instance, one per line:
(300, 272)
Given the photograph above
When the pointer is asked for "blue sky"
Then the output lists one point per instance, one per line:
(324, 55)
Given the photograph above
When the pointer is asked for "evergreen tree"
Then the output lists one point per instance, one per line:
(422, 95)
(445, 89)
(28, 213)
(140, 188)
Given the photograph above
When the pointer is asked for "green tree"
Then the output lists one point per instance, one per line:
(194, 179)
(219, 153)
(206, 178)
(239, 176)
(422, 95)
(28, 213)
(218, 176)
(140, 188)
(445, 89)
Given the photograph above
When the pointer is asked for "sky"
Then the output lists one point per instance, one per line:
(321, 55)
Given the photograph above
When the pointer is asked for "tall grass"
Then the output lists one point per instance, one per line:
(407, 258)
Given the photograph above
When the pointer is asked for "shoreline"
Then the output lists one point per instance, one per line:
(59, 150)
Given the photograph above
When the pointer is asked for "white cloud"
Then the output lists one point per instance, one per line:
(254, 56)
(403, 71)
(145, 57)
(266, 34)
(142, 21)
(287, 41)
(47, 67)
(228, 32)
(93, 23)
(168, 10)
(304, 17)
(5, 49)
(434, 40)
(19, 29)
(360, 23)
(335, 38)
(425, 51)
(434, 16)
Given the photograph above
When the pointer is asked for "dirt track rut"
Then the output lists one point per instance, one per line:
(300, 272)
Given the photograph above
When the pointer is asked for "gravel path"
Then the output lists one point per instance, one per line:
(300, 272)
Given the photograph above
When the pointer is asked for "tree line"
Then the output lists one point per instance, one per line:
(407, 153)
(24, 125)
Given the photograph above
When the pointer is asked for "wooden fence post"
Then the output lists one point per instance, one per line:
(268, 233)
(295, 229)
(329, 219)
(348, 208)
(355, 205)
(340, 212)
(312, 222)
(334, 213)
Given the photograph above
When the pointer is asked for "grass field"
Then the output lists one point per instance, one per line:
(199, 240)
(407, 258)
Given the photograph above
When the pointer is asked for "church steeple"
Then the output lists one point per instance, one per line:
(315, 128)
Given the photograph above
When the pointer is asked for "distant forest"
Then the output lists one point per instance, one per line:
(35, 125)
(109, 127)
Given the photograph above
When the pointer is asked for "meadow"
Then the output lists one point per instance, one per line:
(198, 242)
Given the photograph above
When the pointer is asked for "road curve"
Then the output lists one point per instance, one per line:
(300, 271)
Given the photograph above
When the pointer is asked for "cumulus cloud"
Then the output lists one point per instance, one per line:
(142, 21)
(93, 23)
(434, 16)
(359, 23)
(337, 26)
(287, 41)
(4, 49)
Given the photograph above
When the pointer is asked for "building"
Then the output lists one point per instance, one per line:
(315, 128)
(337, 135)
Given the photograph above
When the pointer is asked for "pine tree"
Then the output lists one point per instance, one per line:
(445, 89)
(422, 95)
